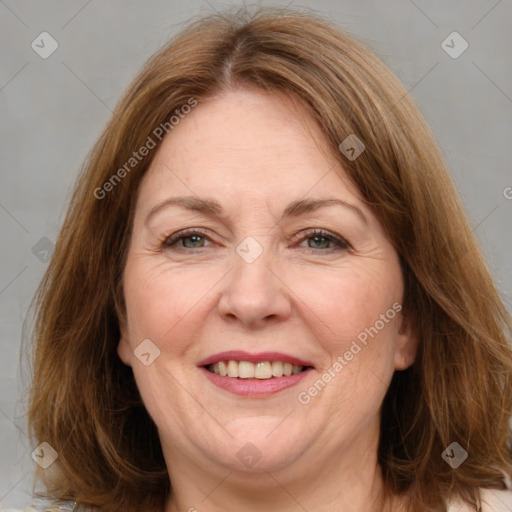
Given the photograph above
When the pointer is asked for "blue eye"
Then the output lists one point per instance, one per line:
(320, 240)
(189, 238)
(194, 240)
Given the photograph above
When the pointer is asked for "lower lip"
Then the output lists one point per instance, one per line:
(258, 388)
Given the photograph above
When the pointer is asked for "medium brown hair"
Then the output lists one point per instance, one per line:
(84, 401)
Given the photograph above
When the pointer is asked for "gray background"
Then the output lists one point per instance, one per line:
(53, 109)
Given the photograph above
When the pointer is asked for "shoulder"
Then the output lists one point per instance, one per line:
(45, 505)
(496, 501)
(492, 501)
(26, 509)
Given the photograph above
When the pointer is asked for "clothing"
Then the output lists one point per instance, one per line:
(45, 505)
(492, 501)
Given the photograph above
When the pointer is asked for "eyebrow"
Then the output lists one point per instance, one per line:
(212, 208)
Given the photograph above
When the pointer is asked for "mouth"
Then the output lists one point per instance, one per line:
(237, 364)
(254, 375)
(262, 370)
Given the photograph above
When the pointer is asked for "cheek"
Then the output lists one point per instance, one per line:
(347, 303)
(160, 299)
(355, 322)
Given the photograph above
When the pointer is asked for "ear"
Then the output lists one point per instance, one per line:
(406, 343)
(123, 347)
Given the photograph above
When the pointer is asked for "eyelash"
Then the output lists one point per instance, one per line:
(342, 244)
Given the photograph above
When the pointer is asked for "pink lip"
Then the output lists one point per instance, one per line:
(255, 388)
(240, 355)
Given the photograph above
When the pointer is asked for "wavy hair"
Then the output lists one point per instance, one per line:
(84, 401)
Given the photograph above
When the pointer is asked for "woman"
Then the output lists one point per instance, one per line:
(266, 295)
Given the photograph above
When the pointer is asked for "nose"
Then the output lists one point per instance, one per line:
(255, 293)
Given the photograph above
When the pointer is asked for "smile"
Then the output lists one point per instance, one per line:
(261, 370)
(254, 375)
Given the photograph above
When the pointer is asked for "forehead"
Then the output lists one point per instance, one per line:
(246, 143)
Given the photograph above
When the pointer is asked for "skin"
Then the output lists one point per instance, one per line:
(254, 153)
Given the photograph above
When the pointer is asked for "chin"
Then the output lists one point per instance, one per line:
(262, 444)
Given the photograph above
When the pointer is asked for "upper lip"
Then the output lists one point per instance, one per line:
(240, 355)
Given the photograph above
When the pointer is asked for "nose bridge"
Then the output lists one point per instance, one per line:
(254, 291)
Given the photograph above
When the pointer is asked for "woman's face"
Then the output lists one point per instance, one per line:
(249, 245)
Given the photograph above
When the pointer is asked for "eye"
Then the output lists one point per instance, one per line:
(188, 239)
(324, 241)
(317, 239)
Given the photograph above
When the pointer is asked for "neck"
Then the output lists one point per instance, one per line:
(322, 479)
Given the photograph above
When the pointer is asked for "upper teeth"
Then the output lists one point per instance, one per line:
(248, 370)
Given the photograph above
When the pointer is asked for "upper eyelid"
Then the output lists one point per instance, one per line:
(185, 233)
(304, 233)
